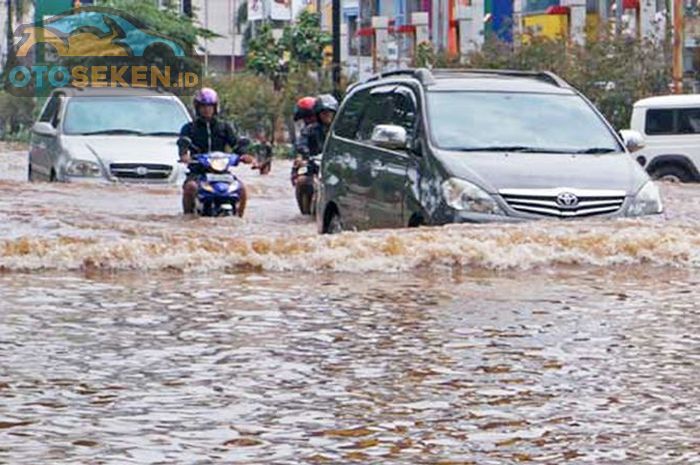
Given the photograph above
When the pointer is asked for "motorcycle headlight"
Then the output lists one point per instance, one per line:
(83, 168)
(647, 201)
(233, 186)
(219, 164)
(465, 196)
(207, 187)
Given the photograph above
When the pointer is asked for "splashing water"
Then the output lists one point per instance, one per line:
(75, 227)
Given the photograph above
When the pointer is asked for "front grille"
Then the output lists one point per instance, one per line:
(140, 171)
(559, 202)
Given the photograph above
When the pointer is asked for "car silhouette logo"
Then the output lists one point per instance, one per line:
(95, 32)
(142, 171)
(98, 47)
(567, 200)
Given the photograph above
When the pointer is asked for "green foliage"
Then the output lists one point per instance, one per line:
(305, 41)
(266, 56)
(250, 101)
(299, 50)
(16, 116)
(612, 72)
(425, 55)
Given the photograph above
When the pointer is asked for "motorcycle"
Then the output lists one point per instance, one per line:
(306, 183)
(218, 189)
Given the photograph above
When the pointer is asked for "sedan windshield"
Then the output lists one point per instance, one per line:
(124, 115)
(517, 122)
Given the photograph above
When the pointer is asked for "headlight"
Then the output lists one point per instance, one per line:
(233, 186)
(647, 201)
(83, 168)
(465, 196)
(207, 187)
(219, 164)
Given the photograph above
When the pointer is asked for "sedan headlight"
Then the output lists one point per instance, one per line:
(647, 201)
(83, 168)
(465, 196)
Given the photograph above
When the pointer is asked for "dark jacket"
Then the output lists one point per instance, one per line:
(210, 136)
(311, 140)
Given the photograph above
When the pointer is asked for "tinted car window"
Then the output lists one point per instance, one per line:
(552, 123)
(689, 121)
(404, 113)
(349, 118)
(659, 122)
(380, 110)
(50, 111)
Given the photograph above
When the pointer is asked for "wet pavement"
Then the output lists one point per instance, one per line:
(129, 335)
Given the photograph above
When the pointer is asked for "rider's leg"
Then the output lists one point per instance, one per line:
(243, 201)
(189, 194)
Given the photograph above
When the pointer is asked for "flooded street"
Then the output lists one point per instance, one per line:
(131, 335)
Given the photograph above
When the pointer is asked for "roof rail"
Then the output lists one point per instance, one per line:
(547, 76)
(425, 76)
(422, 74)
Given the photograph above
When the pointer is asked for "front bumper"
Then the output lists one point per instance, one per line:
(447, 215)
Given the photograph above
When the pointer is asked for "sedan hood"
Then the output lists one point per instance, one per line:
(124, 149)
(494, 171)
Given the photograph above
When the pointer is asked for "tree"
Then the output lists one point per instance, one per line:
(299, 49)
(250, 101)
(613, 72)
(305, 42)
(266, 56)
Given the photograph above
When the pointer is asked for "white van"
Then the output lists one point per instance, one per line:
(671, 129)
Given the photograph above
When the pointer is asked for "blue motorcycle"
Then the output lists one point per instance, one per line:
(218, 189)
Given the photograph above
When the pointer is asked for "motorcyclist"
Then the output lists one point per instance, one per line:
(303, 111)
(326, 107)
(208, 134)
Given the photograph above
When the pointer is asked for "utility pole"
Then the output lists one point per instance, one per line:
(206, 39)
(336, 46)
(10, 35)
(234, 31)
(678, 44)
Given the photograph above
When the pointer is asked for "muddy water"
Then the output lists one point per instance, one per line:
(131, 335)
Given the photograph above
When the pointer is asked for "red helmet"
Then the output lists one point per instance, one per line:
(304, 108)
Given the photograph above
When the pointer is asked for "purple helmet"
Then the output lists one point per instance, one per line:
(206, 96)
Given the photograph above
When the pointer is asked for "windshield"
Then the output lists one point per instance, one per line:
(124, 115)
(520, 122)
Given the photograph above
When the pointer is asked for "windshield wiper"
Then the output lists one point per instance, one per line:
(597, 150)
(160, 133)
(507, 148)
(111, 131)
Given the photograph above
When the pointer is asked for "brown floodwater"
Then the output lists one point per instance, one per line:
(130, 335)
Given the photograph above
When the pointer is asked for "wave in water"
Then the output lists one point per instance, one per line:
(458, 246)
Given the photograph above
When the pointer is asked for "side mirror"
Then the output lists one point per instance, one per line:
(390, 137)
(44, 129)
(633, 140)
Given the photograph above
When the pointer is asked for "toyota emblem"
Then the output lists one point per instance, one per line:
(567, 200)
(142, 171)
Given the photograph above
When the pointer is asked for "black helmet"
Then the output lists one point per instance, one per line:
(326, 102)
